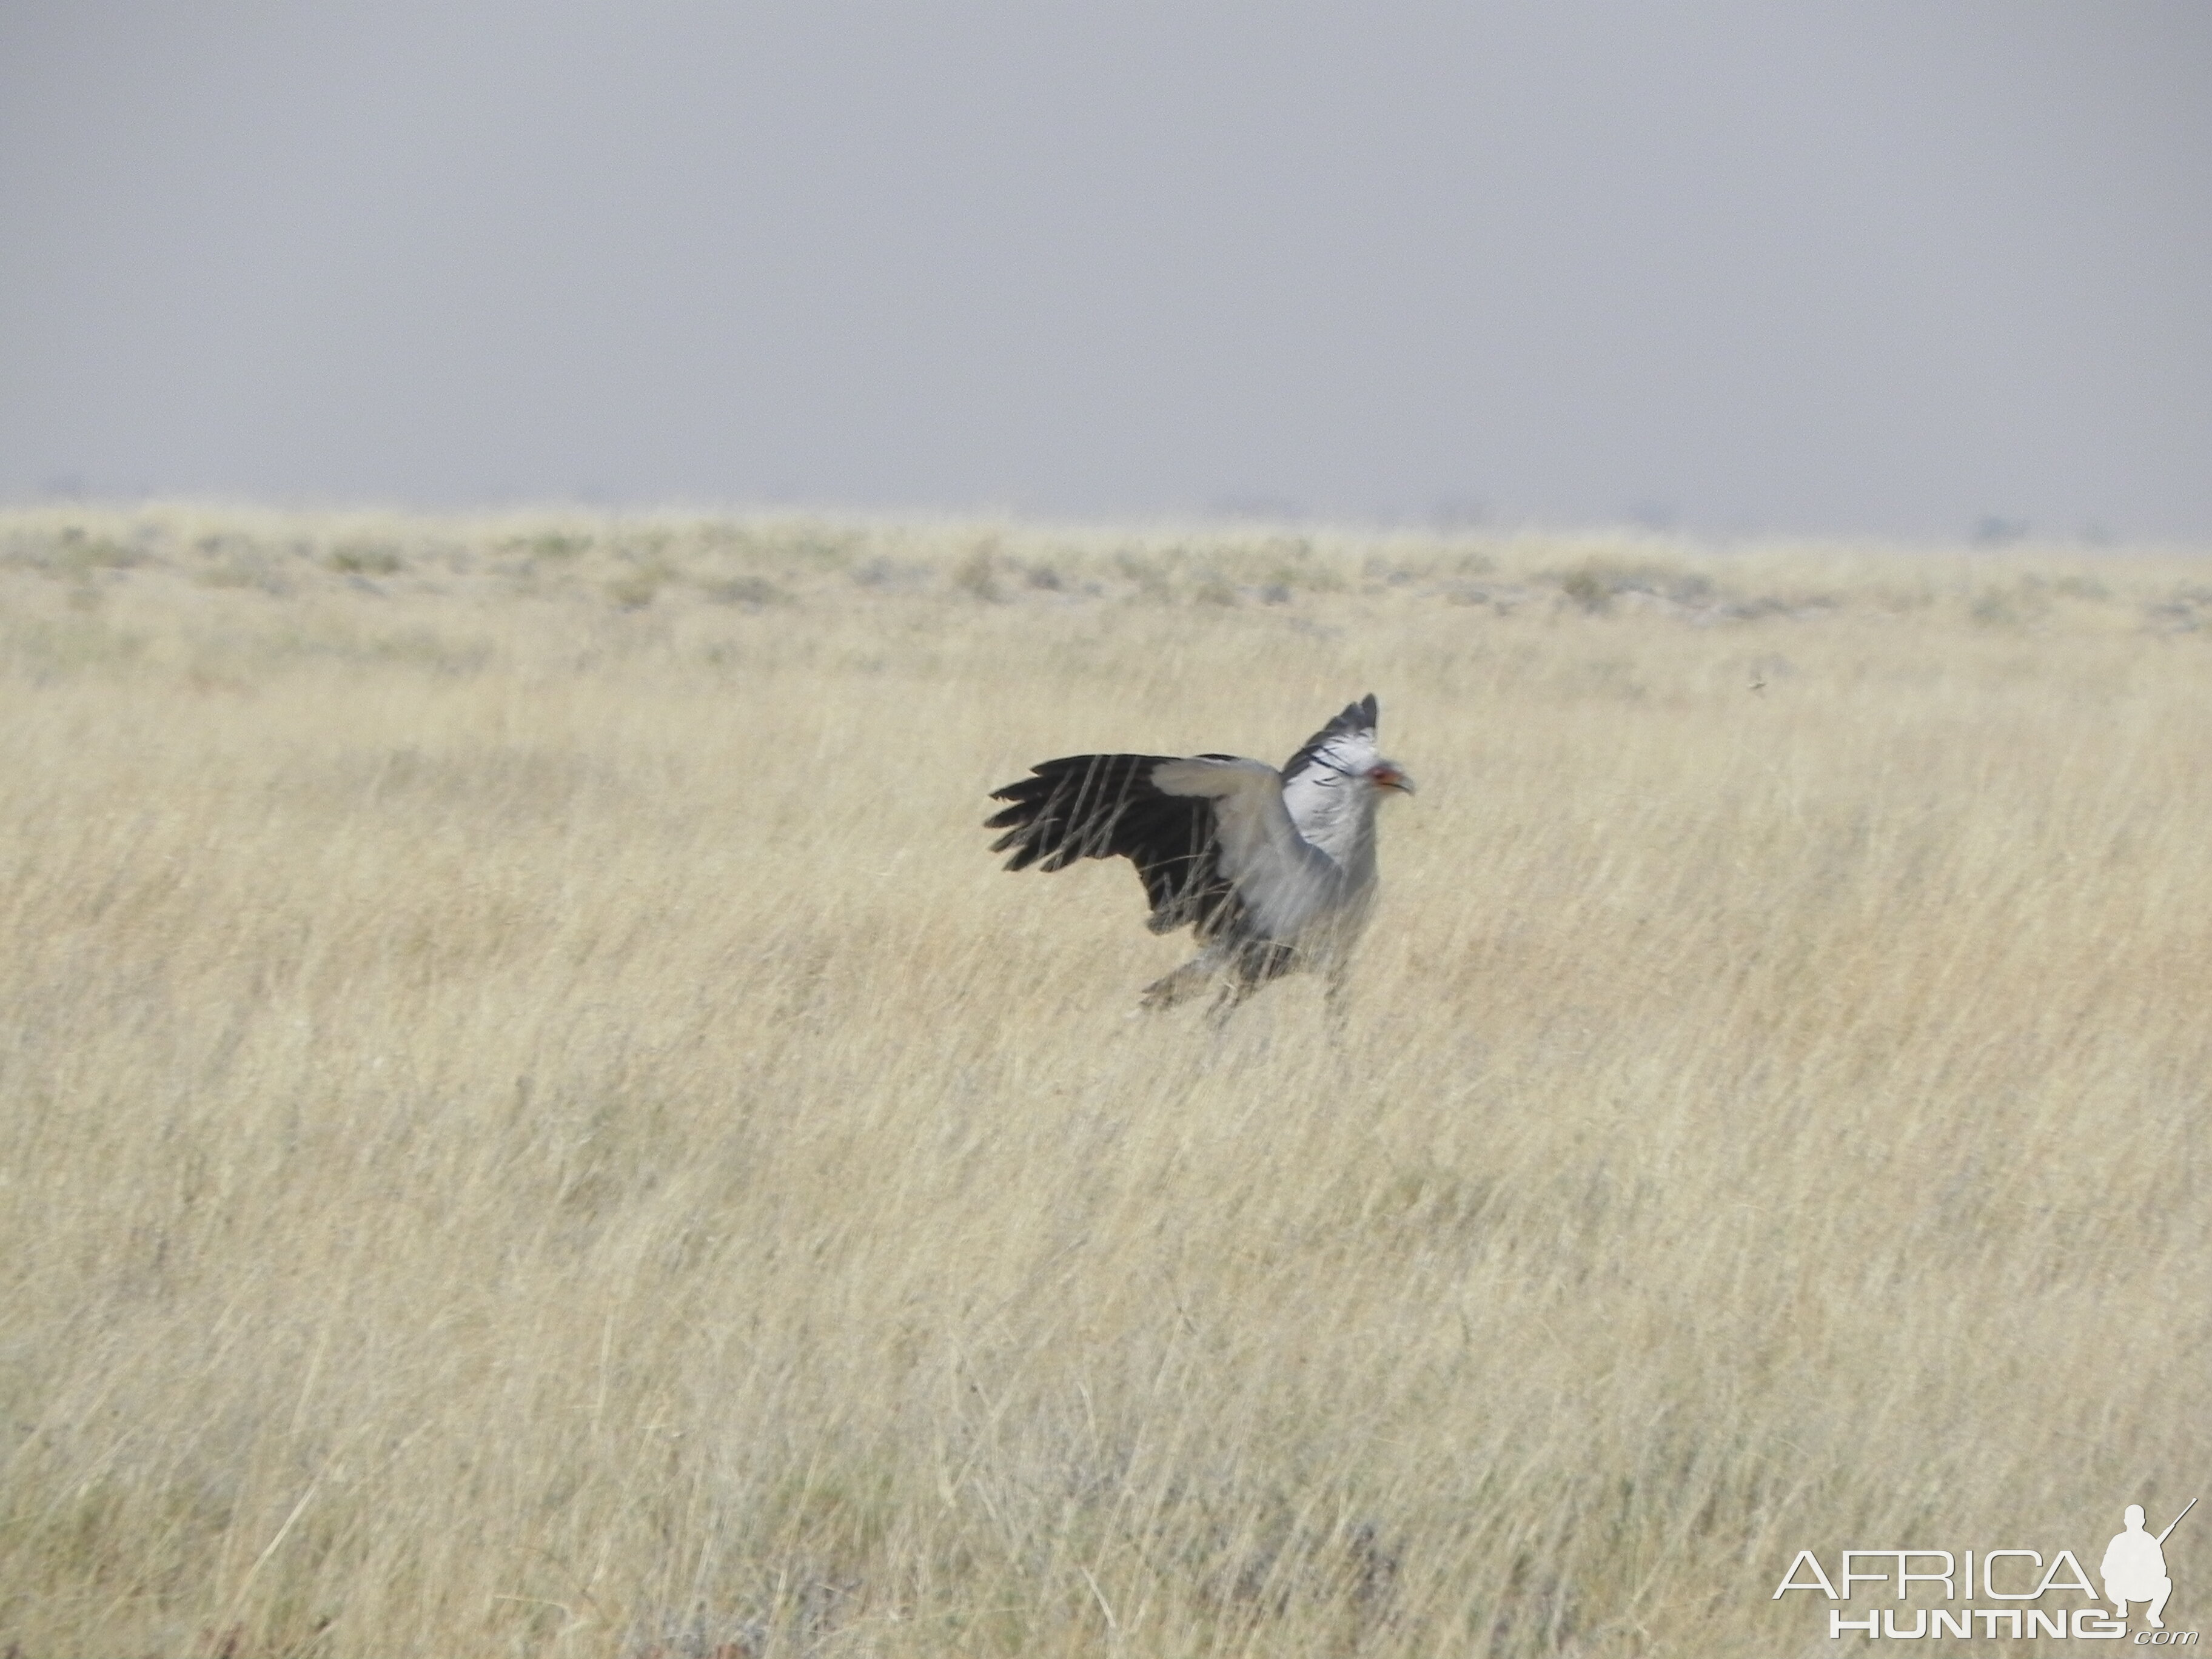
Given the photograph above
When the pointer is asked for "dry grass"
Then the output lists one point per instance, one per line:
(532, 1124)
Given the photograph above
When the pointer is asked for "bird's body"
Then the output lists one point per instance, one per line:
(1273, 870)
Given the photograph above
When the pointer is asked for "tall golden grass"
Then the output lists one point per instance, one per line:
(531, 1124)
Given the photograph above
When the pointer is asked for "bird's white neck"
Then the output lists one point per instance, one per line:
(1342, 825)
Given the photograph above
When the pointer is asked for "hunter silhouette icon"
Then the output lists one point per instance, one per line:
(2134, 1566)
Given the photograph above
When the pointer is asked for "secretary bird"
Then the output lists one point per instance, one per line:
(1274, 872)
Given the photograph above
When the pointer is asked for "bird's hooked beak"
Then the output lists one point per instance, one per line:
(1387, 776)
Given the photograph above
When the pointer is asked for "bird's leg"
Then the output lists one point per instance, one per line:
(1180, 986)
(1336, 999)
(1252, 966)
(1235, 988)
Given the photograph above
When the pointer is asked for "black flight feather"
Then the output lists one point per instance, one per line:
(1101, 807)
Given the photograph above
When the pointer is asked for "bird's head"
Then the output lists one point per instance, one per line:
(1388, 774)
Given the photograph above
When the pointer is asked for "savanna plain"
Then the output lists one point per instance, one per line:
(531, 1123)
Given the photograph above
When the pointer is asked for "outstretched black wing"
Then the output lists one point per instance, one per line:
(1103, 807)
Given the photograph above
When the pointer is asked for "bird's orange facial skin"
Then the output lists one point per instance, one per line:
(1389, 777)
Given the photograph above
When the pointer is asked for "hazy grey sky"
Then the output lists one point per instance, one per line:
(1891, 265)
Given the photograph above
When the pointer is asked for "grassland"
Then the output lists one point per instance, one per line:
(529, 1124)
